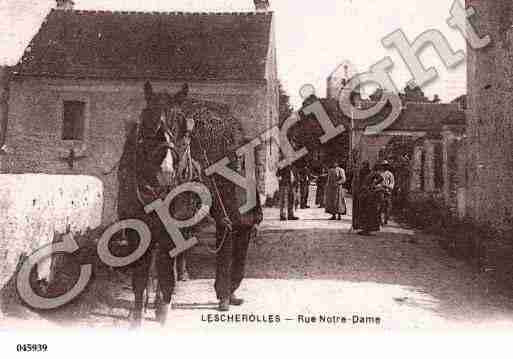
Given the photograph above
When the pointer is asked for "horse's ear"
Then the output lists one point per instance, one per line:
(185, 89)
(182, 94)
(148, 91)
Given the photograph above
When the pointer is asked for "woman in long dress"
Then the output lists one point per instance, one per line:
(358, 182)
(370, 197)
(334, 193)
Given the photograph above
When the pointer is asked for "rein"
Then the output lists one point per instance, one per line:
(227, 232)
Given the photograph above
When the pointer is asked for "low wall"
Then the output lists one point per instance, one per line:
(35, 206)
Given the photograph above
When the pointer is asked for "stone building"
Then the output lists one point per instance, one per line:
(489, 117)
(80, 82)
(437, 165)
(435, 131)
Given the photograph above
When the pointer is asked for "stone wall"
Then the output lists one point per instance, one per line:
(35, 206)
(438, 168)
(455, 179)
(35, 125)
(489, 117)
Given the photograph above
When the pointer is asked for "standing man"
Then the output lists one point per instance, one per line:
(286, 180)
(304, 184)
(233, 233)
(335, 202)
(322, 179)
(388, 186)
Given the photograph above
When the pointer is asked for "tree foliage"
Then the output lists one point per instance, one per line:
(410, 93)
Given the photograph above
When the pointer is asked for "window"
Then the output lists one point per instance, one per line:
(73, 120)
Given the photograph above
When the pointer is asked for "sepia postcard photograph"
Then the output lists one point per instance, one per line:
(237, 168)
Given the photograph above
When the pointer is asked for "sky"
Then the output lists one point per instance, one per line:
(312, 37)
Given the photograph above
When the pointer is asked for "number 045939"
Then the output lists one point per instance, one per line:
(31, 347)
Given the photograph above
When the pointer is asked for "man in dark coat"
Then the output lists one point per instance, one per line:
(322, 178)
(286, 182)
(370, 198)
(304, 186)
(233, 233)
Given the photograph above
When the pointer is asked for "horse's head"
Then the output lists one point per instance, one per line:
(163, 125)
(164, 109)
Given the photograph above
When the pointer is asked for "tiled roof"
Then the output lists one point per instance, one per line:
(178, 46)
(455, 118)
(424, 116)
(421, 117)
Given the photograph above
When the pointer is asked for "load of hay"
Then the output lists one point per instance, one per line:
(216, 134)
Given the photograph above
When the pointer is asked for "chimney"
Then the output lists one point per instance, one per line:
(261, 5)
(65, 4)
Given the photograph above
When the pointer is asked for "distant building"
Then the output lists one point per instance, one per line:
(80, 81)
(434, 129)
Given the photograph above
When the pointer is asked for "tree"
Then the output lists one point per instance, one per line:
(285, 109)
(413, 93)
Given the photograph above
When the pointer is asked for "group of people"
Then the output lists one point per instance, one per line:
(371, 191)
(294, 184)
(291, 181)
(372, 197)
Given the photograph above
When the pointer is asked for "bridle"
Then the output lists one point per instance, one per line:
(187, 169)
(168, 144)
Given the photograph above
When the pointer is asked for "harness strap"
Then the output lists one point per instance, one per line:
(188, 168)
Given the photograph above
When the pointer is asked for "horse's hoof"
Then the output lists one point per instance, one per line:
(135, 324)
(135, 320)
(161, 313)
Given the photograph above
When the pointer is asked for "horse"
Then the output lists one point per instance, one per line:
(175, 140)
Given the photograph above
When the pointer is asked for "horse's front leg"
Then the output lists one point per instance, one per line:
(136, 317)
(181, 267)
(166, 276)
(140, 277)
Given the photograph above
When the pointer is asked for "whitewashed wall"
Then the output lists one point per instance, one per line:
(34, 206)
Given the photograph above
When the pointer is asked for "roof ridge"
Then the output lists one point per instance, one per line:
(169, 13)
